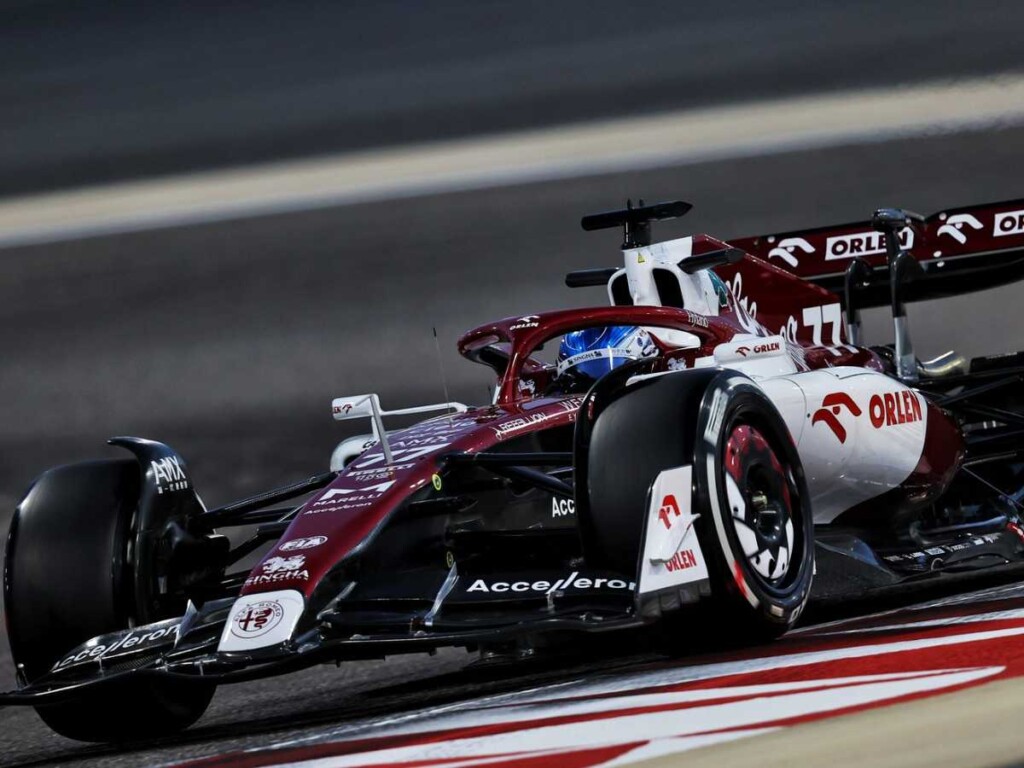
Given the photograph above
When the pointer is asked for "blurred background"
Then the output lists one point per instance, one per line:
(215, 217)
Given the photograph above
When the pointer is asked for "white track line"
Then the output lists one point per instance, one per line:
(667, 139)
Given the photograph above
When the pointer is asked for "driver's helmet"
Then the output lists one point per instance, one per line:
(585, 356)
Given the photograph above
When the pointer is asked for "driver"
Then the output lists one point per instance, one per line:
(587, 355)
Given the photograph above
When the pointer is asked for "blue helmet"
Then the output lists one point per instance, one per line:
(593, 352)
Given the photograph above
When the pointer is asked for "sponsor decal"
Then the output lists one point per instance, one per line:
(530, 321)
(261, 620)
(831, 406)
(917, 557)
(884, 410)
(786, 250)
(257, 619)
(348, 498)
(759, 349)
(669, 510)
(954, 226)
(1008, 223)
(343, 408)
(569, 405)
(607, 353)
(746, 308)
(277, 569)
(435, 480)
(698, 321)
(305, 543)
(168, 474)
(894, 408)
(672, 515)
(562, 507)
(405, 454)
(572, 581)
(681, 560)
(863, 244)
(676, 364)
(376, 473)
(672, 555)
(136, 639)
(715, 415)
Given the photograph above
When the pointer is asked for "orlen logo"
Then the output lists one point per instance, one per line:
(831, 405)
(864, 244)
(786, 249)
(669, 506)
(759, 349)
(894, 408)
(954, 226)
(681, 560)
(529, 321)
(1009, 223)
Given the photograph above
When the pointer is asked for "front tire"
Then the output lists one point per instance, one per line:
(67, 578)
(754, 528)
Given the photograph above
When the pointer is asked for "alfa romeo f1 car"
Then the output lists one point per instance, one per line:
(738, 451)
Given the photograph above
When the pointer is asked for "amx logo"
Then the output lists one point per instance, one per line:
(168, 474)
(831, 406)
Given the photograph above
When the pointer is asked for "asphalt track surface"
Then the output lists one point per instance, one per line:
(229, 341)
(104, 90)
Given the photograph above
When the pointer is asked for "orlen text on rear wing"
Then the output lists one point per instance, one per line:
(959, 250)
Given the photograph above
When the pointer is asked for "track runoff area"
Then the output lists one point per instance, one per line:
(931, 684)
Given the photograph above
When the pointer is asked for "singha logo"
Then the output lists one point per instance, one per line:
(283, 564)
(831, 406)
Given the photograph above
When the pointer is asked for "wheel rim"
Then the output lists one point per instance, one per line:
(758, 489)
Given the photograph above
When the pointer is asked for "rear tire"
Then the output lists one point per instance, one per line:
(67, 578)
(755, 527)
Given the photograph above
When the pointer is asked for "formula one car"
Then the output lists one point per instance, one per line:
(719, 440)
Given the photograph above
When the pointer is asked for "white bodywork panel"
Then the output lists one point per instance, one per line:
(859, 433)
(697, 289)
(672, 554)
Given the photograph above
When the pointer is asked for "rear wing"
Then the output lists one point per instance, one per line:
(959, 250)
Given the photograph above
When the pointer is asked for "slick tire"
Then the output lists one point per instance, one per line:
(68, 577)
(754, 528)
